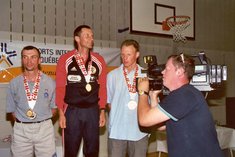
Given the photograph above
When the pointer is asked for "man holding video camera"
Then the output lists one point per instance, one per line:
(188, 121)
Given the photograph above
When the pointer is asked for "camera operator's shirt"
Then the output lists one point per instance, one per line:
(121, 117)
(190, 130)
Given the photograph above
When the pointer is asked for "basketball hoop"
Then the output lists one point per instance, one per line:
(177, 24)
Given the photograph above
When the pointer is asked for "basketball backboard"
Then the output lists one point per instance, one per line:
(147, 16)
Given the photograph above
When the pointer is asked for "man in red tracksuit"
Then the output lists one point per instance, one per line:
(81, 94)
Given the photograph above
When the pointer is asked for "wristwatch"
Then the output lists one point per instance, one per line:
(141, 92)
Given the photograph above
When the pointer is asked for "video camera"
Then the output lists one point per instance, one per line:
(206, 77)
(154, 72)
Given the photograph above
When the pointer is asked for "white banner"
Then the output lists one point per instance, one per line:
(10, 57)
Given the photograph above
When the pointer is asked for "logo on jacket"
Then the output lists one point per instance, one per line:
(73, 69)
(74, 78)
(93, 70)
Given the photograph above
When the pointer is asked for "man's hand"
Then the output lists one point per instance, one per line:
(102, 118)
(62, 119)
(143, 84)
(154, 99)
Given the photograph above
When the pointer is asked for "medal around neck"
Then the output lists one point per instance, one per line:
(132, 104)
(31, 114)
(32, 96)
(88, 87)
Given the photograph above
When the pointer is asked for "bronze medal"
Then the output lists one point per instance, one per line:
(88, 87)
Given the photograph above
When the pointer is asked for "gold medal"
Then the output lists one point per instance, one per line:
(31, 114)
(88, 87)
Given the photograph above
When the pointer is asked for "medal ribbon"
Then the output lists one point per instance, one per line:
(81, 64)
(32, 97)
(131, 87)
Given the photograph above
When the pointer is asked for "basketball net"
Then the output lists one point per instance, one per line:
(177, 25)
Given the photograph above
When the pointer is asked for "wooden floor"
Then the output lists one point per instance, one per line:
(156, 155)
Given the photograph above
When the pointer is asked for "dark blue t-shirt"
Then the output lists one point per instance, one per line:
(190, 130)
